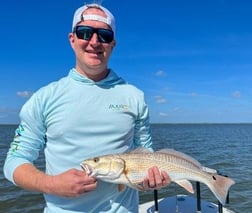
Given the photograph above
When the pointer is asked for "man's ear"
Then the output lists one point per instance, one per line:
(113, 45)
(71, 38)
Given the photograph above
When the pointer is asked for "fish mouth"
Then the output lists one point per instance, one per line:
(86, 168)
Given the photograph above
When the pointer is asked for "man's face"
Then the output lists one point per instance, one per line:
(92, 56)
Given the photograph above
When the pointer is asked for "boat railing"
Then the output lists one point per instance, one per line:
(220, 206)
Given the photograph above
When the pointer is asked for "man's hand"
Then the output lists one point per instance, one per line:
(156, 179)
(71, 183)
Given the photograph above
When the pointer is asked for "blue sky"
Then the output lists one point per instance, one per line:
(193, 59)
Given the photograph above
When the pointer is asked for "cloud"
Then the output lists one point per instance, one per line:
(176, 109)
(8, 115)
(160, 100)
(24, 94)
(163, 114)
(160, 73)
(3, 116)
(236, 94)
(193, 94)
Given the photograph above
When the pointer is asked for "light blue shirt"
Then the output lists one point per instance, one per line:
(74, 119)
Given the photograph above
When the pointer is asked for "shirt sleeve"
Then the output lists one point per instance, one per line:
(142, 136)
(29, 138)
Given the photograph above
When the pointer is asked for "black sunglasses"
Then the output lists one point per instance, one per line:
(86, 33)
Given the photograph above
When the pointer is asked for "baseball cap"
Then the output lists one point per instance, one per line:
(78, 16)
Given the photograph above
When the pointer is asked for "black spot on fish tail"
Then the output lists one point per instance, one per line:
(214, 177)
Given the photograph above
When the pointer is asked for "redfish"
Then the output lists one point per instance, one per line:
(131, 168)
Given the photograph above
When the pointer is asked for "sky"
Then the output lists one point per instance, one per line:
(192, 59)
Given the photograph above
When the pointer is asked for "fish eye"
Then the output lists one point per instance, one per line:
(96, 160)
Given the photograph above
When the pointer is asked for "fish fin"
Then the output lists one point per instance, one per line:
(138, 187)
(220, 186)
(135, 185)
(166, 150)
(186, 185)
(180, 155)
(121, 187)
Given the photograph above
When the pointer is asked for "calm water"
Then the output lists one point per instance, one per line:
(225, 147)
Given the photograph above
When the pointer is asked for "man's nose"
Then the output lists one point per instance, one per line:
(94, 39)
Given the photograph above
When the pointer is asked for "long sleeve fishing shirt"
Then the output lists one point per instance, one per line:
(74, 119)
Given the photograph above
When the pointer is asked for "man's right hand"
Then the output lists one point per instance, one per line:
(71, 183)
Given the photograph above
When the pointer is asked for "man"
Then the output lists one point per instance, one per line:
(90, 112)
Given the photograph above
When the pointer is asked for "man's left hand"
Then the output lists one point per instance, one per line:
(156, 179)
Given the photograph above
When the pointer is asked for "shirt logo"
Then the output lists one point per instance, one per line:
(119, 107)
(19, 131)
(16, 142)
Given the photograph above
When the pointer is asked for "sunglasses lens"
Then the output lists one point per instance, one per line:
(105, 36)
(86, 33)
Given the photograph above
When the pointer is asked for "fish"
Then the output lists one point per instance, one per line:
(130, 169)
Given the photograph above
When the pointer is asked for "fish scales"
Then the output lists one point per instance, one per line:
(139, 163)
(162, 160)
(131, 168)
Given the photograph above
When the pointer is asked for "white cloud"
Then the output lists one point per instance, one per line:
(160, 73)
(24, 94)
(236, 94)
(176, 109)
(163, 114)
(160, 99)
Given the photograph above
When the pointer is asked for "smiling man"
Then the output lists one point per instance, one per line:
(72, 120)
(93, 41)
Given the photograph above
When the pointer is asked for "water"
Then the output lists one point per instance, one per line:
(225, 147)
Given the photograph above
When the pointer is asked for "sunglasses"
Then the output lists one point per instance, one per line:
(86, 33)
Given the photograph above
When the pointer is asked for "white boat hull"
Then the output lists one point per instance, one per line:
(180, 204)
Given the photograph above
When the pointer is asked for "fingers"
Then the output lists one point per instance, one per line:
(87, 187)
(85, 182)
(72, 183)
(166, 179)
(156, 179)
(146, 184)
(83, 177)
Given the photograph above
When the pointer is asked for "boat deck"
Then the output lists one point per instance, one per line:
(180, 204)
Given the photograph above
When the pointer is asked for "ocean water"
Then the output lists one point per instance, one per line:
(224, 147)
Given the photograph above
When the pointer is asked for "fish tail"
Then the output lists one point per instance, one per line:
(220, 186)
